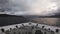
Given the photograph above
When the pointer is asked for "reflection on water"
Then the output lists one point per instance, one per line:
(50, 21)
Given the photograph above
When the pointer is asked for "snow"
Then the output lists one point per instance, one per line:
(53, 28)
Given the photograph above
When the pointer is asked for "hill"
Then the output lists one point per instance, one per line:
(11, 19)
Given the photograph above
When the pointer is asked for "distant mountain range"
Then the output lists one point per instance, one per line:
(34, 16)
(6, 15)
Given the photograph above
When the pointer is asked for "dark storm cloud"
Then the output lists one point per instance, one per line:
(3, 4)
(30, 7)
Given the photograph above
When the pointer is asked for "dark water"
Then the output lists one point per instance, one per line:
(48, 21)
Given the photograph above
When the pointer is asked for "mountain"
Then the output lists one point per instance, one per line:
(11, 19)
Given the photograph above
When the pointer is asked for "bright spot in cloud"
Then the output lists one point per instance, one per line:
(52, 6)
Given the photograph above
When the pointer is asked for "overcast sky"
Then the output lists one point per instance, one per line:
(30, 7)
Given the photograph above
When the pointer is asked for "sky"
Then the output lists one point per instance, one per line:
(30, 7)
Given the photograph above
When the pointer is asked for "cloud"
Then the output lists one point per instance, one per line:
(32, 7)
(3, 4)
